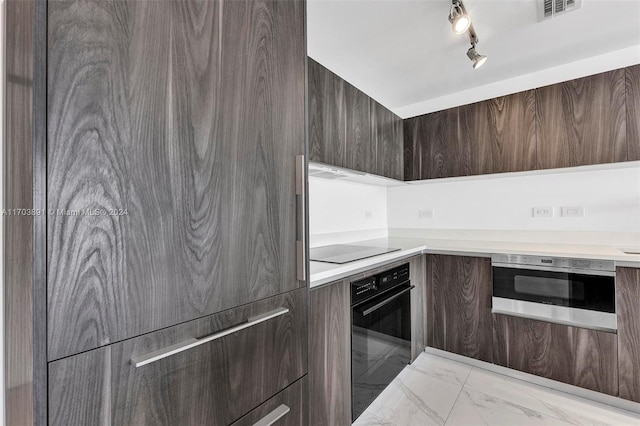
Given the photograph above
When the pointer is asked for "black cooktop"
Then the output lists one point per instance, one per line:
(344, 253)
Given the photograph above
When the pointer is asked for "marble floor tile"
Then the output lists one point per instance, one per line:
(368, 419)
(476, 408)
(441, 368)
(564, 406)
(415, 398)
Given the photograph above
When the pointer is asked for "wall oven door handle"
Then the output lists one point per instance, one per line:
(270, 419)
(139, 361)
(377, 306)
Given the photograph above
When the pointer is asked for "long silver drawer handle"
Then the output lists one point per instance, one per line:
(273, 416)
(139, 361)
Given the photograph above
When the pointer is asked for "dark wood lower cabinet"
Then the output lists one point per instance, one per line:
(330, 355)
(459, 305)
(215, 383)
(577, 356)
(291, 404)
(628, 309)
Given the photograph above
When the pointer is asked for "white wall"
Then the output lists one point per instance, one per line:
(610, 197)
(336, 206)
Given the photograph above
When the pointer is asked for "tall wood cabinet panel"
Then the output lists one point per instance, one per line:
(386, 134)
(577, 356)
(360, 150)
(330, 355)
(628, 310)
(582, 121)
(500, 133)
(176, 137)
(327, 116)
(418, 276)
(214, 383)
(459, 305)
(632, 92)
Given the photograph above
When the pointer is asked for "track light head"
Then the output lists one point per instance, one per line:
(460, 20)
(477, 59)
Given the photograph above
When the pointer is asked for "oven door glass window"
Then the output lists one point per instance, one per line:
(380, 345)
(573, 290)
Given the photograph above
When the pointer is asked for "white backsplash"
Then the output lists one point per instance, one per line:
(610, 198)
(609, 194)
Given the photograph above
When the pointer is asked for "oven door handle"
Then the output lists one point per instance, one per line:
(377, 306)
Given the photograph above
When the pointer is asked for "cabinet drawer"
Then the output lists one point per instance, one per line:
(577, 356)
(215, 382)
(288, 408)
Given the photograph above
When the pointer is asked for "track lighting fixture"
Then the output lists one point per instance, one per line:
(458, 17)
(461, 22)
(477, 59)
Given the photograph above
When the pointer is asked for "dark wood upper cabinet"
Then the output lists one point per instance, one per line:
(500, 133)
(577, 356)
(327, 116)
(628, 310)
(632, 80)
(181, 137)
(386, 132)
(360, 150)
(349, 129)
(459, 305)
(582, 121)
(433, 148)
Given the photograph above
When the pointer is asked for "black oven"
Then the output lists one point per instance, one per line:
(579, 292)
(380, 333)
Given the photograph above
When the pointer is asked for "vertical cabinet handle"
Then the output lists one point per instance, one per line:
(273, 416)
(301, 212)
(139, 361)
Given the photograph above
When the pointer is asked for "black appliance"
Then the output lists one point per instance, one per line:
(380, 333)
(345, 253)
(577, 292)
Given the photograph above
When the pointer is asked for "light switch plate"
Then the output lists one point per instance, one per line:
(425, 214)
(572, 211)
(543, 212)
(368, 214)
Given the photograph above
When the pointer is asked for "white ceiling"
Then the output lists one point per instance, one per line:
(404, 54)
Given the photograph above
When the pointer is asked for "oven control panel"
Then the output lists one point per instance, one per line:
(554, 262)
(369, 287)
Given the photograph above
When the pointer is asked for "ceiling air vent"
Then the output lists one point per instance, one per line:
(551, 8)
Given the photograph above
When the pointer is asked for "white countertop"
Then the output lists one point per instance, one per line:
(323, 273)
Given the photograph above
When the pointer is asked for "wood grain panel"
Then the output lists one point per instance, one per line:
(330, 355)
(577, 356)
(632, 92)
(360, 150)
(582, 121)
(500, 133)
(214, 383)
(460, 305)
(295, 397)
(327, 116)
(387, 138)
(412, 149)
(18, 227)
(418, 273)
(434, 137)
(628, 310)
(195, 135)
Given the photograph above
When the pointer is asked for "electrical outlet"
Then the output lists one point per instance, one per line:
(543, 212)
(368, 214)
(425, 214)
(573, 211)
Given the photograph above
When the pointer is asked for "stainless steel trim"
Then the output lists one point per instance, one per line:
(387, 300)
(583, 318)
(301, 221)
(556, 262)
(273, 416)
(600, 273)
(139, 361)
